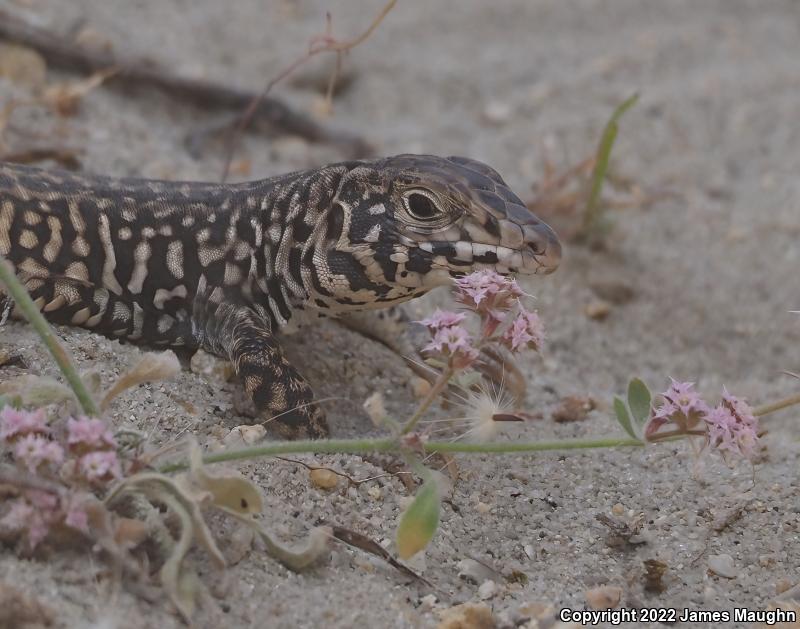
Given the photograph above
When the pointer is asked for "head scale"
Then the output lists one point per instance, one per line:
(402, 225)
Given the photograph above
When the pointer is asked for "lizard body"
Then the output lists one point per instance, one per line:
(223, 267)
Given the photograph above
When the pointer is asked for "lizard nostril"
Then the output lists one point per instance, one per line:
(537, 247)
(543, 243)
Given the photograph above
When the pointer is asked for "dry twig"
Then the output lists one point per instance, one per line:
(318, 44)
(62, 52)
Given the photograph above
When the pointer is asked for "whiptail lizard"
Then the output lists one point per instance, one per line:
(224, 267)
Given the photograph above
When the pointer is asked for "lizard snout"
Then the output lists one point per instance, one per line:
(545, 246)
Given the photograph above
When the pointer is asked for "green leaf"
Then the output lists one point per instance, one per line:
(639, 398)
(419, 522)
(592, 215)
(623, 417)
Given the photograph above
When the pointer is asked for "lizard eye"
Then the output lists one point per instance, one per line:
(421, 205)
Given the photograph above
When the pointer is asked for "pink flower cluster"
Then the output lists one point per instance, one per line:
(28, 434)
(682, 407)
(83, 455)
(489, 294)
(450, 339)
(526, 331)
(492, 297)
(730, 427)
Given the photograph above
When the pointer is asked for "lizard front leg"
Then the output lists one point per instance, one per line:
(280, 394)
(393, 328)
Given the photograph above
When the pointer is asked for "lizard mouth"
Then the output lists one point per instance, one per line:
(539, 254)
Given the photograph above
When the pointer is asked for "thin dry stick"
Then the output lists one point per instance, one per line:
(436, 389)
(318, 44)
(776, 406)
(350, 479)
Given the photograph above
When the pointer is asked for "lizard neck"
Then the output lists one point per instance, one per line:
(299, 224)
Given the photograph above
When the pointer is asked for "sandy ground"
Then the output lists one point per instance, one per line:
(709, 270)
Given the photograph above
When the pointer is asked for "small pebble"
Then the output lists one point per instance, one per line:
(723, 566)
(497, 112)
(427, 603)
(233, 439)
(376, 409)
(244, 435)
(598, 309)
(467, 616)
(474, 571)
(322, 478)
(537, 610)
(212, 368)
(252, 434)
(420, 387)
(603, 597)
(487, 590)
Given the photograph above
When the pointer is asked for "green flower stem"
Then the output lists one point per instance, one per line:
(359, 446)
(766, 409)
(20, 296)
(436, 389)
(513, 447)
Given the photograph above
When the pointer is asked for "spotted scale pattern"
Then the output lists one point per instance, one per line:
(224, 267)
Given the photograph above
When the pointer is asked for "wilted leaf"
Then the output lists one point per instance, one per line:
(362, 542)
(623, 417)
(37, 391)
(240, 499)
(231, 492)
(297, 559)
(419, 522)
(151, 367)
(639, 400)
(165, 490)
(178, 587)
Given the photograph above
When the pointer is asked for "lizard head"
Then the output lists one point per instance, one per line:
(415, 221)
